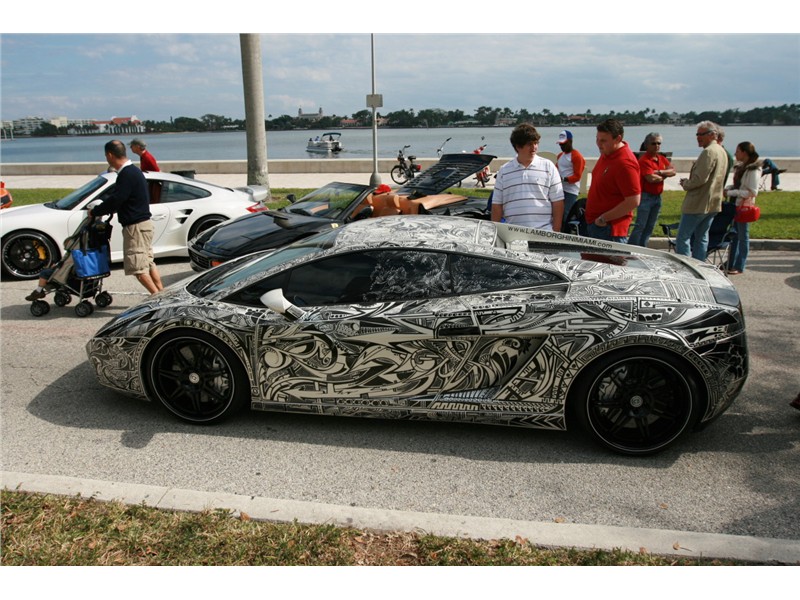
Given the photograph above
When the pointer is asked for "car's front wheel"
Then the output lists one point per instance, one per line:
(195, 376)
(25, 253)
(637, 401)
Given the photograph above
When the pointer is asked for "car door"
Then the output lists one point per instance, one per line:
(379, 326)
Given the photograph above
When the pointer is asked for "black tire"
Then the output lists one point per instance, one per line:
(195, 376)
(398, 174)
(62, 298)
(204, 224)
(84, 309)
(26, 252)
(103, 299)
(39, 308)
(637, 401)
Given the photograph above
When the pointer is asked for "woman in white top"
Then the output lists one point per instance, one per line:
(746, 176)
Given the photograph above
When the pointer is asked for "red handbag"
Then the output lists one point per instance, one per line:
(747, 214)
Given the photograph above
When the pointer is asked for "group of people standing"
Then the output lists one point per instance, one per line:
(535, 192)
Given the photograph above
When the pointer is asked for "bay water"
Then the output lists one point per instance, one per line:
(770, 141)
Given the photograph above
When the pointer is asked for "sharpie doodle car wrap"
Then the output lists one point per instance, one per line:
(444, 318)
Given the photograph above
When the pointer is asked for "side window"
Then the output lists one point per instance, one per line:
(251, 295)
(368, 277)
(409, 275)
(342, 279)
(358, 278)
(173, 191)
(473, 275)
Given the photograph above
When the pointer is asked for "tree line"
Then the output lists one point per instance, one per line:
(484, 116)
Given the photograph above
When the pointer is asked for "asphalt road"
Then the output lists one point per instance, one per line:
(739, 476)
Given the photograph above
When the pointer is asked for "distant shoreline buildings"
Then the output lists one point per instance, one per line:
(116, 125)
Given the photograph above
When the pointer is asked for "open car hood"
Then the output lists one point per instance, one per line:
(447, 173)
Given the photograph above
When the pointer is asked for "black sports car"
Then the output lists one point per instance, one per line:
(443, 318)
(336, 204)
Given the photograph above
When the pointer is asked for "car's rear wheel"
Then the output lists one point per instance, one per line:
(195, 376)
(204, 224)
(25, 253)
(637, 401)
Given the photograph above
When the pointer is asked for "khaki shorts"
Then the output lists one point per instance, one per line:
(137, 247)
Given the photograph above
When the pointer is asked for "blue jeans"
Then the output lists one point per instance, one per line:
(569, 202)
(694, 229)
(646, 218)
(604, 233)
(741, 248)
(769, 167)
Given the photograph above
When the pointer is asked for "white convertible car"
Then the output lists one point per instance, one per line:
(32, 236)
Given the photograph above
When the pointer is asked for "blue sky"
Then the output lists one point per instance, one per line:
(159, 75)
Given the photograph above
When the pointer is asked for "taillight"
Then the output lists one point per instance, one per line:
(257, 207)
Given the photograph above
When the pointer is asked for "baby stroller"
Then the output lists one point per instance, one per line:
(81, 271)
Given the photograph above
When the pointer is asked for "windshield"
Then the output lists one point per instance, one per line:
(72, 199)
(328, 202)
(228, 275)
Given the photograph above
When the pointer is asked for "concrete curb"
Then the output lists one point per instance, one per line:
(655, 541)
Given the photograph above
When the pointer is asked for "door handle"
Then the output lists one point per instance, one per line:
(158, 217)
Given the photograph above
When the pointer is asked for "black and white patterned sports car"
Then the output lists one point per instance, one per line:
(443, 318)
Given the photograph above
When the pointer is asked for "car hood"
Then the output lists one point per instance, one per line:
(258, 231)
(447, 173)
(31, 211)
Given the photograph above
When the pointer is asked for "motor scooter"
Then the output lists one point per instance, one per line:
(406, 169)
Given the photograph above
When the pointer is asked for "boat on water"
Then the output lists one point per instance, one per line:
(326, 143)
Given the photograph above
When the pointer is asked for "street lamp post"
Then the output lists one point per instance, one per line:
(374, 101)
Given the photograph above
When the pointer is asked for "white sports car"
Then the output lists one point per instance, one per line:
(32, 236)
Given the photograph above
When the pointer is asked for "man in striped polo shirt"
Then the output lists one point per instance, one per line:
(528, 189)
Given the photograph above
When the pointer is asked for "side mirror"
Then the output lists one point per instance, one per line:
(275, 301)
(291, 198)
(93, 204)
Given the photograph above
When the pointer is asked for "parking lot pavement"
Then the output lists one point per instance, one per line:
(729, 491)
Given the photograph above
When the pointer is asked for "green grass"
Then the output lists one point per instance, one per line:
(40, 529)
(780, 211)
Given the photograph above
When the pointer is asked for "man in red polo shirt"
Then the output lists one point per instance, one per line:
(616, 187)
(147, 162)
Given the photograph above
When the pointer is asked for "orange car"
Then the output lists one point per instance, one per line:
(5, 196)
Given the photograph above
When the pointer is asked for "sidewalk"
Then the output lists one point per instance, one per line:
(789, 181)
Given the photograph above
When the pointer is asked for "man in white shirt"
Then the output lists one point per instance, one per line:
(528, 189)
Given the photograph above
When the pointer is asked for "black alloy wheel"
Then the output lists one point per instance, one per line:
(195, 376)
(637, 401)
(25, 253)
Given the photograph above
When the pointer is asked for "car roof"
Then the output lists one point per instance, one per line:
(513, 242)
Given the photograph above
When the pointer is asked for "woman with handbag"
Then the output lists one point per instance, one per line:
(744, 190)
